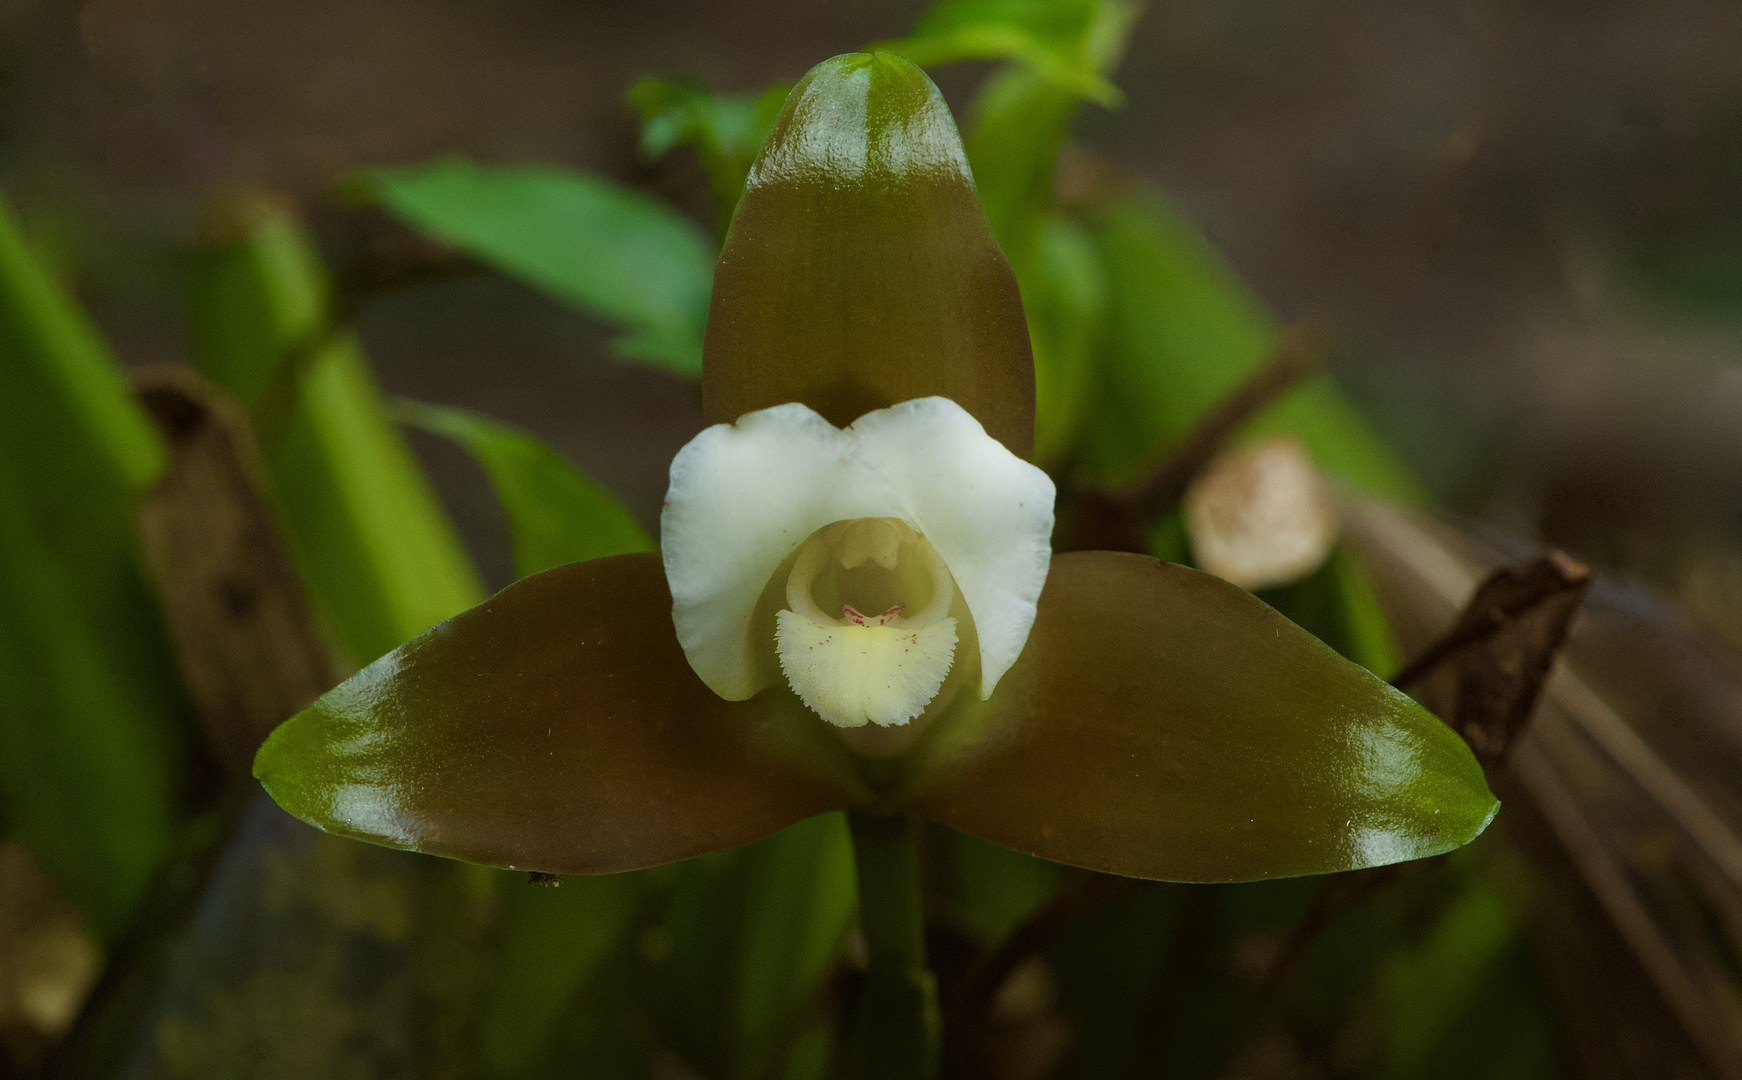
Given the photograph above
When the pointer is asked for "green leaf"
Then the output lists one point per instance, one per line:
(1182, 333)
(1691, 275)
(1470, 972)
(374, 545)
(751, 934)
(1164, 724)
(556, 513)
(603, 248)
(991, 888)
(1019, 124)
(91, 710)
(1048, 37)
(1065, 297)
(800, 895)
(1020, 120)
(727, 131)
(554, 940)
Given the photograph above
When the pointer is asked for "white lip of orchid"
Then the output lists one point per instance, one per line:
(858, 669)
(744, 496)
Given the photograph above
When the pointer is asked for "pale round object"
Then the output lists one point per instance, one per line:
(1261, 517)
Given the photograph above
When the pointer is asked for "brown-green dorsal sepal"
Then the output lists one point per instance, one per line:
(859, 270)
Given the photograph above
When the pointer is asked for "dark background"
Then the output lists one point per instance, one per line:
(1521, 220)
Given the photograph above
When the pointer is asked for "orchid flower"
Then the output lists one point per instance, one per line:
(856, 607)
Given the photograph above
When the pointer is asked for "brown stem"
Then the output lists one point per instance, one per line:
(1535, 581)
(1298, 355)
(1501, 649)
(1112, 520)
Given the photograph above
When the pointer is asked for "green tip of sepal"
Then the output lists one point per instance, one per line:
(870, 120)
(290, 766)
(859, 270)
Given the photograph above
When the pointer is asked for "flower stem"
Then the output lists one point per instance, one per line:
(896, 1036)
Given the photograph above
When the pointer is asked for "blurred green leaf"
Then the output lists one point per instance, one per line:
(692, 949)
(603, 248)
(800, 892)
(1468, 973)
(90, 707)
(1183, 332)
(556, 514)
(553, 941)
(377, 551)
(258, 300)
(1692, 276)
(1048, 37)
(726, 130)
(1108, 970)
(1019, 123)
(1020, 120)
(991, 888)
(810, 1056)
(752, 933)
(1065, 297)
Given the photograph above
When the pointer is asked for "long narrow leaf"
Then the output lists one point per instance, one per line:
(556, 514)
(800, 894)
(553, 941)
(373, 543)
(90, 708)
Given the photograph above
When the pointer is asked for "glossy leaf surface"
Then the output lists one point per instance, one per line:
(859, 270)
(605, 249)
(1164, 724)
(90, 706)
(556, 727)
(556, 513)
(373, 544)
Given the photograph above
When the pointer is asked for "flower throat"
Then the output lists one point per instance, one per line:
(867, 635)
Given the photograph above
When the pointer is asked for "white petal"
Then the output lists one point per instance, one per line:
(743, 496)
(985, 510)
